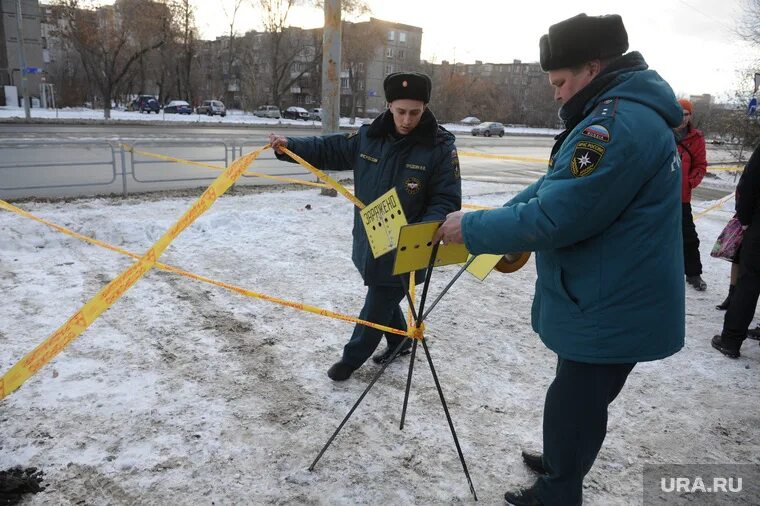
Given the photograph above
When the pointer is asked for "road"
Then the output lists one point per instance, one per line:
(85, 159)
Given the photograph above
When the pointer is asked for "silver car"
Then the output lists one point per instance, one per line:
(488, 129)
(211, 107)
(267, 111)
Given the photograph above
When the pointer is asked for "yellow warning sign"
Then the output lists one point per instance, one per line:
(415, 244)
(482, 266)
(382, 221)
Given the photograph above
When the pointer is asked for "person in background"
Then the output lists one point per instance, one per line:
(403, 148)
(609, 254)
(691, 148)
(741, 310)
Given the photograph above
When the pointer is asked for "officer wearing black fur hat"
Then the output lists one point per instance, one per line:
(403, 148)
(605, 222)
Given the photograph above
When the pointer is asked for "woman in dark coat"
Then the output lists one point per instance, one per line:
(741, 310)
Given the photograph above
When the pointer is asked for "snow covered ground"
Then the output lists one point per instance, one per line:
(234, 117)
(185, 393)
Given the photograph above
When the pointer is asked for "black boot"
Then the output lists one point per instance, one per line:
(724, 305)
(754, 333)
(523, 497)
(697, 282)
(727, 346)
(534, 460)
(340, 371)
(385, 356)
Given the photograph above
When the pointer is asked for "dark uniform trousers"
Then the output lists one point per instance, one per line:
(691, 262)
(380, 306)
(744, 300)
(575, 425)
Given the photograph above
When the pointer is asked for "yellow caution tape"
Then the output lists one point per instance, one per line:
(412, 296)
(710, 169)
(714, 206)
(204, 279)
(476, 207)
(418, 332)
(106, 297)
(324, 177)
(131, 149)
(530, 159)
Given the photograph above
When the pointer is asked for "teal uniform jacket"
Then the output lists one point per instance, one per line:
(605, 223)
(423, 167)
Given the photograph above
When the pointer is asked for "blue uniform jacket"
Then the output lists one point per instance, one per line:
(423, 167)
(605, 223)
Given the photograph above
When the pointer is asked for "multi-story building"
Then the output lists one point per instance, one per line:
(400, 52)
(524, 89)
(241, 71)
(10, 67)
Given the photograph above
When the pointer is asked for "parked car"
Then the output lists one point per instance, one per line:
(469, 120)
(488, 129)
(145, 103)
(267, 111)
(178, 107)
(316, 114)
(212, 107)
(294, 112)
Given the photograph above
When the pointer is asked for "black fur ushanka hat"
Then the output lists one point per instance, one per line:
(582, 38)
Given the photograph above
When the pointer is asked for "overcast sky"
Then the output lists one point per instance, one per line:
(691, 43)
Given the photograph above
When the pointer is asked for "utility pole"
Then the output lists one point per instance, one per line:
(22, 59)
(331, 49)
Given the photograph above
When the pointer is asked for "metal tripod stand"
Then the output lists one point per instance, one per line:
(419, 318)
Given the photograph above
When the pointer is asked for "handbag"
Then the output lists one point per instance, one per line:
(728, 242)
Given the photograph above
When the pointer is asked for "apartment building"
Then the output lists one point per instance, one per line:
(10, 67)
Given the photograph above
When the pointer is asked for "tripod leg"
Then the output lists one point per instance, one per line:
(448, 418)
(408, 383)
(418, 319)
(356, 405)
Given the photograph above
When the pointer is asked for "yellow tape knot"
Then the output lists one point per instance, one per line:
(417, 332)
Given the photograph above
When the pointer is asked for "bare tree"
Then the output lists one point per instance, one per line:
(65, 69)
(231, 70)
(290, 53)
(360, 41)
(749, 23)
(111, 39)
(188, 36)
(171, 65)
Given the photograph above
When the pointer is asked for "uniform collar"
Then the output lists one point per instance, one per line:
(579, 104)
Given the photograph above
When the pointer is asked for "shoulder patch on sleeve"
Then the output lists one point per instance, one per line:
(597, 132)
(455, 163)
(586, 158)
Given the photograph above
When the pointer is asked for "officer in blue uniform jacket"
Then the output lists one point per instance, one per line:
(605, 223)
(403, 148)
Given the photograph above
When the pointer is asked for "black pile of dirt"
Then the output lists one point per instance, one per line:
(15, 482)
